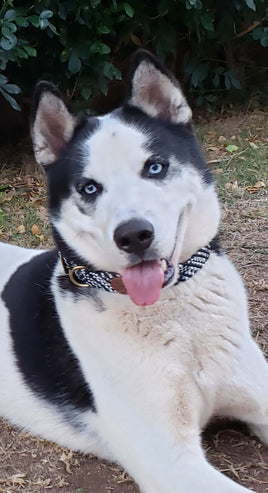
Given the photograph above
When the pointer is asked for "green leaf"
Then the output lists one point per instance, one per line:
(21, 53)
(22, 22)
(198, 5)
(12, 89)
(30, 51)
(128, 9)
(188, 5)
(236, 83)
(251, 4)
(227, 82)
(231, 148)
(256, 33)
(34, 20)
(111, 71)
(53, 29)
(199, 73)
(43, 23)
(62, 12)
(199, 101)
(103, 86)
(13, 28)
(99, 47)
(46, 14)
(86, 92)
(10, 15)
(3, 79)
(207, 21)
(10, 100)
(210, 98)
(103, 29)
(8, 43)
(216, 80)
(6, 31)
(264, 37)
(261, 34)
(74, 64)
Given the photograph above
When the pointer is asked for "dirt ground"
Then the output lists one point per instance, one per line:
(31, 465)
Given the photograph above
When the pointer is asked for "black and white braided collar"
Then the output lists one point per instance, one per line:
(112, 282)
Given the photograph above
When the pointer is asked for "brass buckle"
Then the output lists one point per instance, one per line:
(72, 279)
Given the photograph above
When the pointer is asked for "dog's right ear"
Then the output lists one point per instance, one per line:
(52, 123)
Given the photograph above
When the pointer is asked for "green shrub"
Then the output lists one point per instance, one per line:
(79, 45)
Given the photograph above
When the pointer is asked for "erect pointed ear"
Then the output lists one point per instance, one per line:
(155, 91)
(52, 123)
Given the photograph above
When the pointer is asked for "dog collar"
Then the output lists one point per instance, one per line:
(112, 282)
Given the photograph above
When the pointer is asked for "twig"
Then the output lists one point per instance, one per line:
(250, 28)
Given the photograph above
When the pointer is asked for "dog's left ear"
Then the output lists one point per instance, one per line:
(155, 91)
(52, 123)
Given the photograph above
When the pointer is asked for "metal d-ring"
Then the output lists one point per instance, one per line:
(72, 279)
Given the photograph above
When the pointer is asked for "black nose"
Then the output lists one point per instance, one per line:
(134, 236)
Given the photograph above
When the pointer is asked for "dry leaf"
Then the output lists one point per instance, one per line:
(232, 186)
(136, 40)
(21, 229)
(253, 146)
(222, 138)
(213, 148)
(256, 188)
(15, 479)
(66, 458)
(35, 230)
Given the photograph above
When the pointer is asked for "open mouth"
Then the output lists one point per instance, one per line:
(144, 281)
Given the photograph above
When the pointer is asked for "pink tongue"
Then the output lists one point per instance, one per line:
(144, 281)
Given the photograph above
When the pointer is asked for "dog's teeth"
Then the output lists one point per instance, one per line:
(163, 264)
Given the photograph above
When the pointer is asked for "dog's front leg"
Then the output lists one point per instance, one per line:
(180, 470)
(162, 462)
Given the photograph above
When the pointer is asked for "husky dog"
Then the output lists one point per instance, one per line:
(128, 337)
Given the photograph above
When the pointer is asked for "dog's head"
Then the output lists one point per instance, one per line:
(130, 191)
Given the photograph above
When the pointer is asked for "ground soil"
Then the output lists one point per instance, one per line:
(30, 465)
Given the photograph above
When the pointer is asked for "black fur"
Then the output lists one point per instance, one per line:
(168, 139)
(42, 352)
(67, 170)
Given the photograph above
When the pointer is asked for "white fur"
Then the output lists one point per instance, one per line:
(116, 157)
(157, 373)
(192, 349)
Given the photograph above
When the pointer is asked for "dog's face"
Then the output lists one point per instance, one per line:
(130, 191)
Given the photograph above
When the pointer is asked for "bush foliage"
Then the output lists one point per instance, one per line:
(81, 45)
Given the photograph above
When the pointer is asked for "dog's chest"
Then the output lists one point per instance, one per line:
(171, 348)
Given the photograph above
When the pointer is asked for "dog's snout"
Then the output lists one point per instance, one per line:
(134, 236)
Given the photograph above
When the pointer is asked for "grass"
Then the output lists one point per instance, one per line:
(23, 214)
(238, 157)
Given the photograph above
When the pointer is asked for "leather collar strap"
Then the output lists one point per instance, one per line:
(112, 282)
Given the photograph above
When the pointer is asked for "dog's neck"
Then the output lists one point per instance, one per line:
(85, 276)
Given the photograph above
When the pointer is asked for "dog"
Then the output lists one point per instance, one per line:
(133, 332)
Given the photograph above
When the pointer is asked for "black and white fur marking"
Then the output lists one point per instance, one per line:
(132, 378)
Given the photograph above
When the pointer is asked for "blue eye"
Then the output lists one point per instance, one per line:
(155, 168)
(90, 188)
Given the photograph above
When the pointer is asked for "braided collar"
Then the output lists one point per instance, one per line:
(112, 282)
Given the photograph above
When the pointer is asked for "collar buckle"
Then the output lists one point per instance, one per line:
(72, 278)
